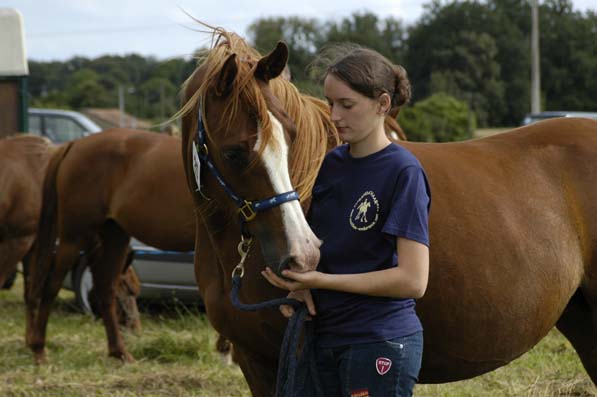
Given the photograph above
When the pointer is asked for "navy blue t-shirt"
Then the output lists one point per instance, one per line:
(359, 207)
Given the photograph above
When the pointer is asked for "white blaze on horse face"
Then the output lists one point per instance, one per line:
(303, 244)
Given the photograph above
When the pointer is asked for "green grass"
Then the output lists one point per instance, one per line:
(176, 357)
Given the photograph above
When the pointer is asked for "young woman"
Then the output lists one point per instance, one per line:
(370, 208)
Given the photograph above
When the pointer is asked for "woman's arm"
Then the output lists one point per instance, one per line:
(408, 280)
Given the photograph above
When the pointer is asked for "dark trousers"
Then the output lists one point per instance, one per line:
(380, 369)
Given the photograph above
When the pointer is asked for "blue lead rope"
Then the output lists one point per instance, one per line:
(296, 377)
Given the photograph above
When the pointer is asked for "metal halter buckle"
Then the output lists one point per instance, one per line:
(247, 211)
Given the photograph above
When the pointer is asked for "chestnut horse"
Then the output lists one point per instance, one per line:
(513, 223)
(103, 189)
(23, 160)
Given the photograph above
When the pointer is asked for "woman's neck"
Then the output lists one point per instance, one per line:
(373, 143)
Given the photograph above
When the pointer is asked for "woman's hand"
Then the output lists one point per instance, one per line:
(303, 295)
(298, 284)
(294, 281)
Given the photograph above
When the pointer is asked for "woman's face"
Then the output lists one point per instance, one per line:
(355, 116)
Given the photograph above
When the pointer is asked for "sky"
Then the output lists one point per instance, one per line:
(61, 29)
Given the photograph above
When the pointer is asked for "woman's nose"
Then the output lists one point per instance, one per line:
(335, 116)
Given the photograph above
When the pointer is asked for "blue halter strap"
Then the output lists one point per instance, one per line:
(247, 209)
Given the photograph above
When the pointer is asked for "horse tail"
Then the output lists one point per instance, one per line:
(43, 249)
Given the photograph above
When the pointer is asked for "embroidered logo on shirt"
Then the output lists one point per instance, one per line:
(365, 212)
(359, 393)
(383, 365)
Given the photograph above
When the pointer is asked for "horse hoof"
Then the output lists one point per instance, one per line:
(40, 358)
(125, 357)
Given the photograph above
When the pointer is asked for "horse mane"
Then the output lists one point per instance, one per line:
(315, 131)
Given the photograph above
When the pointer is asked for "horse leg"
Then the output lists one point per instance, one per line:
(11, 252)
(578, 323)
(39, 298)
(128, 288)
(106, 272)
(225, 348)
(260, 377)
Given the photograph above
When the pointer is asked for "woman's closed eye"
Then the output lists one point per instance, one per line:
(343, 104)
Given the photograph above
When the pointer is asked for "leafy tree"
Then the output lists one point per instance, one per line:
(439, 118)
(159, 98)
(387, 36)
(84, 90)
(87, 93)
(468, 71)
(302, 36)
(568, 57)
(469, 31)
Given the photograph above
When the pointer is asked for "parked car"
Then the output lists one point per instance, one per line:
(60, 125)
(534, 117)
(164, 276)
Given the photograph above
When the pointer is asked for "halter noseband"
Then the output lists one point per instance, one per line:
(247, 210)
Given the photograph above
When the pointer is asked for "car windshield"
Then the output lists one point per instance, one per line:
(62, 129)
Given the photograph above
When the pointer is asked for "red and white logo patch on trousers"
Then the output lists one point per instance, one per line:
(383, 365)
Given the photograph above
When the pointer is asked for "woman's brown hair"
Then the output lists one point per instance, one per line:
(365, 71)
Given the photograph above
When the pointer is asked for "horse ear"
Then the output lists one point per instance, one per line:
(226, 77)
(271, 65)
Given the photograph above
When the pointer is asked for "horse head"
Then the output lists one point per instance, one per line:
(241, 139)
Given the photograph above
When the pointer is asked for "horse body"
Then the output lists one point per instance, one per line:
(128, 176)
(512, 230)
(99, 191)
(24, 158)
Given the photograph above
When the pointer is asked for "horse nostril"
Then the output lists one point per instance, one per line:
(287, 263)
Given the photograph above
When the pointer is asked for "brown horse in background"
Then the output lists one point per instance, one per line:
(23, 160)
(513, 222)
(99, 191)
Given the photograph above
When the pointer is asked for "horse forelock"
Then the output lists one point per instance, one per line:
(245, 92)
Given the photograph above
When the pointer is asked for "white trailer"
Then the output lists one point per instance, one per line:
(13, 73)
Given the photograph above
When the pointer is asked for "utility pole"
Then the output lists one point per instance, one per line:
(162, 103)
(535, 70)
(121, 104)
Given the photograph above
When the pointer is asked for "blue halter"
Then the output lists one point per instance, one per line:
(247, 209)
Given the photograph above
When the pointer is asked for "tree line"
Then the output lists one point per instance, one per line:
(468, 61)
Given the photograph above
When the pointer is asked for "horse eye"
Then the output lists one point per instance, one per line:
(237, 156)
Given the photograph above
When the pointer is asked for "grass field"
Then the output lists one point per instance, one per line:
(176, 357)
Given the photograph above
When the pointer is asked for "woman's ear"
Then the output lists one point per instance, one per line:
(385, 103)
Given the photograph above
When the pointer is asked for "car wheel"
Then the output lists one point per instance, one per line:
(10, 281)
(82, 285)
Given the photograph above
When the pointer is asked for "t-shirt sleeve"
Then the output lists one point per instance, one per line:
(409, 213)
